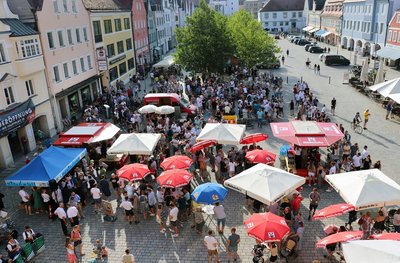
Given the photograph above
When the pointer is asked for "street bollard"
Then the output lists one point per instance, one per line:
(301, 79)
(329, 79)
(287, 79)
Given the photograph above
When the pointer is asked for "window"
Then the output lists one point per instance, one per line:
(117, 24)
(29, 87)
(394, 38)
(66, 71)
(97, 32)
(300, 14)
(60, 38)
(85, 35)
(293, 14)
(398, 18)
(69, 36)
(381, 29)
(55, 6)
(286, 23)
(122, 68)
(74, 10)
(131, 63)
(83, 69)
(107, 26)
(50, 40)
(284, 14)
(110, 50)
(274, 23)
(390, 35)
(128, 44)
(65, 5)
(113, 73)
(29, 48)
(398, 39)
(89, 62)
(78, 35)
(8, 93)
(74, 67)
(127, 24)
(120, 47)
(274, 15)
(56, 74)
(2, 54)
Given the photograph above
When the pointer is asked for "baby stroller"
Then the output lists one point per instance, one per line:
(288, 247)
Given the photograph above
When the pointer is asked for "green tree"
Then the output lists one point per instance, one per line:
(204, 43)
(252, 44)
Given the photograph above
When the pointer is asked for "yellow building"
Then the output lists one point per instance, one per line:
(25, 110)
(112, 35)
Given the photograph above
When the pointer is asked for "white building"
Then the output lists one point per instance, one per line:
(312, 14)
(225, 7)
(282, 15)
(253, 6)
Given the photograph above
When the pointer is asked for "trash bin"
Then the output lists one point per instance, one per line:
(107, 111)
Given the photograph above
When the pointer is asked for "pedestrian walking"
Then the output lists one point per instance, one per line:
(105, 187)
(73, 215)
(315, 198)
(318, 70)
(62, 216)
(199, 220)
(366, 118)
(232, 245)
(128, 209)
(389, 108)
(283, 60)
(26, 200)
(259, 117)
(333, 106)
(219, 212)
(287, 52)
(160, 217)
(315, 68)
(69, 246)
(173, 219)
(96, 195)
(128, 257)
(77, 239)
(211, 243)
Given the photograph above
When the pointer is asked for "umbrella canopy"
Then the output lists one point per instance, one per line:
(339, 237)
(260, 156)
(366, 188)
(372, 251)
(265, 183)
(333, 210)
(266, 227)
(164, 110)
(135, 143)
(387, 236)
(379, 75)
(133, 172)
(176, 162)
(209, 193)
(174, 178)
(364, 71)
(253, 138)
(223, 133)
(201, 145)
(390, 88)
(147, 109)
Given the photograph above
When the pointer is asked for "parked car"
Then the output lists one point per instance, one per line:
(316, 49)
(269, 65)
(293, 40)
(303, 42)
(306, 47)
(336, 60)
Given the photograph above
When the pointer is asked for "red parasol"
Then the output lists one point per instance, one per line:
(133, 172)
(201, 145)
(333, 210)
(174, 178)
(266, 227)
(260, 156)
(386, 236)
(253, 138)
(176, 162)
(339, 237)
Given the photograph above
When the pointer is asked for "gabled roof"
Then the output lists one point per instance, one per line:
(114, 5)
(5, 76)
(283, 5)
(18, 29)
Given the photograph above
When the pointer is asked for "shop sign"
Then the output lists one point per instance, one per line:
(17, 117)
(101, 59)
(115, 60)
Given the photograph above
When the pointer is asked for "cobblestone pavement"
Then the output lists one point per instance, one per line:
(144, 239)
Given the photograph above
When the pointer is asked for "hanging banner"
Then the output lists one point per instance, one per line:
(16, 117)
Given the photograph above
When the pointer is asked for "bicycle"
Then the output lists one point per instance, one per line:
(357, 128)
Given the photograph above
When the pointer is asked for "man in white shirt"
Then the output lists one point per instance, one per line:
(96, 194)
(62, 216)
(364, 153)
(151, 197)
(25, 200)
(211, 243)
(160, 196)
(28, 235)
(73, 215)
(357, 161)
(128, 207)
(173, 219)
(219, 212)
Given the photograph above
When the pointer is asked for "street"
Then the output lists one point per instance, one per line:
(145, 241)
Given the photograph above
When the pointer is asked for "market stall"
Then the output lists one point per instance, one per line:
(135, 144)
(222, 133)
(52, 164)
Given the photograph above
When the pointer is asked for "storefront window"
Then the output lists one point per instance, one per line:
(86, 98)
(74, 107)
(113, 73)
(122, 68)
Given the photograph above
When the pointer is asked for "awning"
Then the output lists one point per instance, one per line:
(314, 30)
(77, 86)
(326, 34)
(308, 28)
(52, 164)
(320, 32)
(87, 133)
(389, 52)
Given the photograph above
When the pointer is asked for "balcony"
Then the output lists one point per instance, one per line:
(28, 66)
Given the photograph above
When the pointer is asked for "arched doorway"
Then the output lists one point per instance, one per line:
(40, 128)
(358, 47)
(351, 44)
(367, 49)
(344, 42)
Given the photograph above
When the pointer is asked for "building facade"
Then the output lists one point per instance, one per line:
(26, 117)
(152, 33)
(365, 22)
(391, 51)
(140, 35)
(312, 14)
(253, 6)
(113, 40)
(157, 8)
(331, 22)
(282, 16)
(225, 7)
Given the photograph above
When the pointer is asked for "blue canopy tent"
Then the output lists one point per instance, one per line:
(320, 32)
(53, 163)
